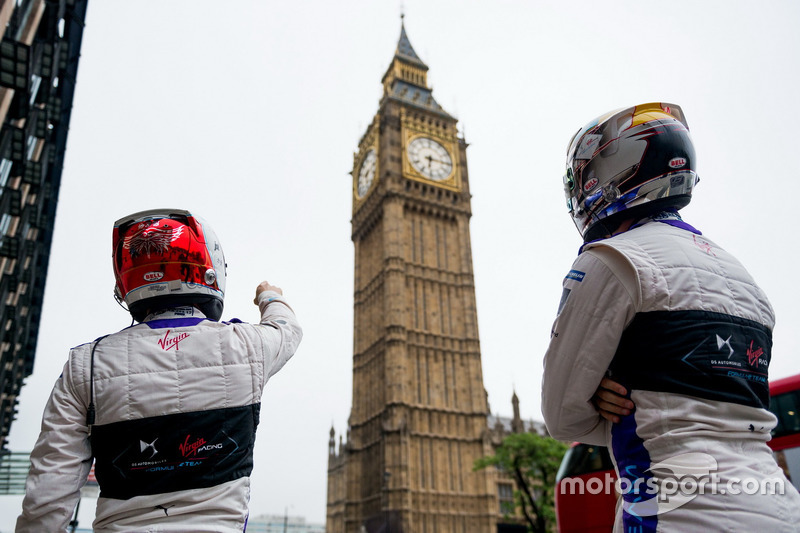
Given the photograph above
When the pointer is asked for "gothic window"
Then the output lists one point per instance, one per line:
(505, 497)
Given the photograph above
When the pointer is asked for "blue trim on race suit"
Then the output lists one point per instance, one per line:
(633, 464)
(174, 322)
(670, 218)
(682, 225)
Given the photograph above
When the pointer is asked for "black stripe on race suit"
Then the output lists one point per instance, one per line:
(174, 452)
(698, 353)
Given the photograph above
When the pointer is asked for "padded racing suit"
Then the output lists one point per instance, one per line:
(679, 322)
(177, 404)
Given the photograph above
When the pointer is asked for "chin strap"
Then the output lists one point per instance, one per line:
(120, 301)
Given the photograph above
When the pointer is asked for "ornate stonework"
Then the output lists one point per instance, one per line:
(419, 413)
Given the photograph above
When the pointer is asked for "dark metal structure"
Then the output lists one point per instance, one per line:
(38, 67)
(14, 468)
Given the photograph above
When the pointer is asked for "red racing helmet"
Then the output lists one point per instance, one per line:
(168, 258)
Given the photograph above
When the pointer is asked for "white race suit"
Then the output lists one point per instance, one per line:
(682, 325)
(177, 401)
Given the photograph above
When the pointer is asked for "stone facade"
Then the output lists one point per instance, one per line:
(419, 415)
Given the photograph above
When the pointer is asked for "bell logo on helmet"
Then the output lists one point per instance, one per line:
(591, 184)
(677, 162)
(153, 276)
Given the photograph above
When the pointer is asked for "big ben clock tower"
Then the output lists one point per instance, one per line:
(419, 414)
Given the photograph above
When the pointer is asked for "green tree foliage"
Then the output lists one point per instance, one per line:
(533, 461)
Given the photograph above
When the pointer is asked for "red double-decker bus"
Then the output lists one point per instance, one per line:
(585, 497)
(785, 404)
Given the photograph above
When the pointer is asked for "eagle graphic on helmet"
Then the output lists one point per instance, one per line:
(151, 239)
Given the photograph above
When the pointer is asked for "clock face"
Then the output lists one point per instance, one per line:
(430, 158)
(366, 173)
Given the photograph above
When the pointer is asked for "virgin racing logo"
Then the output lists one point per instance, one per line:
(168, 343)
(190, 449)
(753, 356)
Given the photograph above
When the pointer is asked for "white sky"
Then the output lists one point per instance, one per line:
(248, 112)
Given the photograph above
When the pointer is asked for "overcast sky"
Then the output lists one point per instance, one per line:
(249, 112)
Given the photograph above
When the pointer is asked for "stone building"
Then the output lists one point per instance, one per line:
(419, 416)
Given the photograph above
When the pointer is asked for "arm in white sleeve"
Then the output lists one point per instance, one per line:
(60, 462)
(599, 300)
(282, 334)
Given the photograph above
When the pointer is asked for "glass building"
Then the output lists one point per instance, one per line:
(38, 67)
(282, 524)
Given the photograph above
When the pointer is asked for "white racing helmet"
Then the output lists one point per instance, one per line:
(626, 164)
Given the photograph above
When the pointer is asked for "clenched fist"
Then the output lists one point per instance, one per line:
(265, 286)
